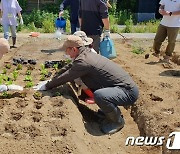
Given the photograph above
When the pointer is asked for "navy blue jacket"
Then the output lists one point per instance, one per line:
(74, 9)
(91, 13)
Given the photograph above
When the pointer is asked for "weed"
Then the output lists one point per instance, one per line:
(48, 26)
(138, 50)
(129, 25)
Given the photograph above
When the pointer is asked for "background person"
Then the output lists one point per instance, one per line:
(74, 8)
(4, 48)
(93, 18)
(169, 27)
(9, 11)
(112, 86)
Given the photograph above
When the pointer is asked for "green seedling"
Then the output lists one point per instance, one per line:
(42, 66)
(28, 78)
(28, 72)
(67, 61)
(44, 72)
(29, 84)
(6, 95)
(4, 71)
(6, 78)
(37, 95)
(42, 78)
(1, 79)
(8, 66)
(9, 82)
(19, 67)
(55, 66)
(138, 50)
(23, 95)
(15, 74)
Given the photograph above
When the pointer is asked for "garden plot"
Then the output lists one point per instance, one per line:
(56, 121)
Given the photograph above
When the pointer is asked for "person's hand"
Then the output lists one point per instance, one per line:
(163, 12)
(21, 21)
(14, 87)
(61, 13)
(41, 86)
(3, 88)
(106, 33)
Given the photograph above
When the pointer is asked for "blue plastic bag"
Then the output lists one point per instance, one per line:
(107, 48)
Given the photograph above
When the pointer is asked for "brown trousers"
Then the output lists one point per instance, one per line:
(162, 33)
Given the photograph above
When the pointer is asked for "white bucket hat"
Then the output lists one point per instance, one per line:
(83, 36)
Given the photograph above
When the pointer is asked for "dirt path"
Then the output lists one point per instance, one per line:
(57, 125)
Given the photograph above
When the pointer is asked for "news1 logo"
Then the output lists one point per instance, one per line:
(173, 141)
(175, 144)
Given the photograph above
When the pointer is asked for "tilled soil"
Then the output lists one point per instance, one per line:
(64, 124)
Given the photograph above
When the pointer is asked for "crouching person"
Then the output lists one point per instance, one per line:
(112, 86)
(4, 48)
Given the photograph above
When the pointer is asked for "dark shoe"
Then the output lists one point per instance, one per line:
(166, 59)
(101, 114)
(14, 42)
(113, 123)
(12, 47)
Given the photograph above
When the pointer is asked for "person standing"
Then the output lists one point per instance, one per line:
(93, 18)
(9, 11)
(169, 27)
(74, 8)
